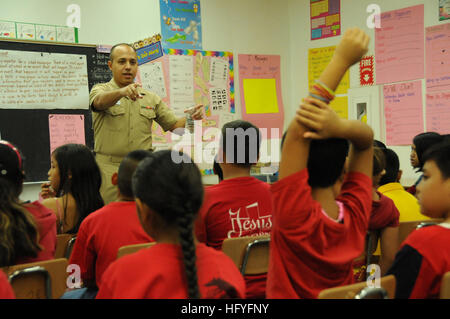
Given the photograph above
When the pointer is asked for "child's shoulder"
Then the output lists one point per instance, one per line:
(429, 236)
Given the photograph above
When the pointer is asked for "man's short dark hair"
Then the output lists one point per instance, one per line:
(126, 171)
(392, 167)
(440, 154)
(326, 161)
(117, 45)
(240, 141)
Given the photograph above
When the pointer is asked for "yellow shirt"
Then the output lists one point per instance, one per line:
(127, 126)
(406, 203)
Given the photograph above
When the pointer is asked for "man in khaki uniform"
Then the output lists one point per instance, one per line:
(122, 113)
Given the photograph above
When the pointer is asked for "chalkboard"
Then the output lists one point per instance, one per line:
(28, 129)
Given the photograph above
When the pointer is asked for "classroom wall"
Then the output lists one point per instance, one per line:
(250, 26)
(353, 13)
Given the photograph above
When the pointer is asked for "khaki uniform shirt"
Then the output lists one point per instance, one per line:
(127, 126)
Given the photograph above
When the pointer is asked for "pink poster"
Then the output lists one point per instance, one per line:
(65, 129)
(438, 112)
(399, 45)
(438, 58)
(403, 112)
(260, 87)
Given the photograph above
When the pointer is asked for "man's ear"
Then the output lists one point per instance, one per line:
(399, 176)
(115, 179)
(110, 64)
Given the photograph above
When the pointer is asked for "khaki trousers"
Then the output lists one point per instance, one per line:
(108, 166)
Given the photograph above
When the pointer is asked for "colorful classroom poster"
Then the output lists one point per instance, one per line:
(66, 128)
(438, 58)
(444, 10)
(438, 112)
(181, 24)
(325, 18)
(403, 112)
(260, 86)
(366, 71)
(399, 45)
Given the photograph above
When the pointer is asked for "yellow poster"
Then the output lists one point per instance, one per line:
(340, 106)
(260, 96)
(318, 59)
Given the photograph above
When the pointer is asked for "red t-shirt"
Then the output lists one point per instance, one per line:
(100, 236)
(237, 207)
(158, 273)
(310, 251)
(423, 258)
(384, 213)
(6, 291)
(46, 224)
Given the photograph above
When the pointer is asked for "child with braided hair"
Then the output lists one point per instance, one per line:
(168, 197)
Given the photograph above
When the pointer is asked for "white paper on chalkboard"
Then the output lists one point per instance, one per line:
(40, 80)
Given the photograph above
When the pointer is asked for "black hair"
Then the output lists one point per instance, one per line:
(84, 184)
(218, 170)
(440, 154)
(117, 45)
(326, 161)
(126, 170)
(379, 162)
(392, 167)
(240, 141)
(18, 231)
(379, 144)
(424, 141)
(175, 193)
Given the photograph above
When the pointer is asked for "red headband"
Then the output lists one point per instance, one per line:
(15, 150)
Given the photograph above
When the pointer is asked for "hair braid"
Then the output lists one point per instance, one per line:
(185, 229)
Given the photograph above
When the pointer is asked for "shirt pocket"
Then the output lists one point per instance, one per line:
(115, 118)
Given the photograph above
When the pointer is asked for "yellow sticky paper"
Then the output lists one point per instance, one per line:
(260, 96)
(318, 8)
(318, 59)
(340, 106)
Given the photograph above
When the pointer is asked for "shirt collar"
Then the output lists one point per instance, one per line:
(390, 187)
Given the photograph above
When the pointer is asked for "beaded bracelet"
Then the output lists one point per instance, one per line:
(323, 99)
(322, 92)
(331, 92)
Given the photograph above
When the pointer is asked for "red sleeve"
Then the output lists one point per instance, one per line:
(6, 291)
(293, 204)
(83, 254)
(356, 194)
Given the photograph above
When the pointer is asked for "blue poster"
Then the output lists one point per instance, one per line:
(181, 24)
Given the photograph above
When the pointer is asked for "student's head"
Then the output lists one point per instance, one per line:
(421, 143)
(18, 231)
(123, 64)
(217, 169)
(168, 198)
(125, 173)
(326, 161)
(377, 143)
(11, 168)
(379, 165)
(392, 167)
(433, 190)
(74, 171)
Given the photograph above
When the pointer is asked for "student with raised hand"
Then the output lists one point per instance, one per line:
(320, 216)
(75, 180)
(168, 197)
(390, 186)
(27, 230)
(104, 231)
(240, 205)
(424, 256)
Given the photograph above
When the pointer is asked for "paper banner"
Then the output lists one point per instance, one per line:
(318, 59)
(261, 99)
(26, 31)
(403, 112)
(181, 24)
(438, 58)
(438, 112)
(325, 18)
(399, 45)
(65, 129)
(149, 53)
(45, 33)
(7, 29)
